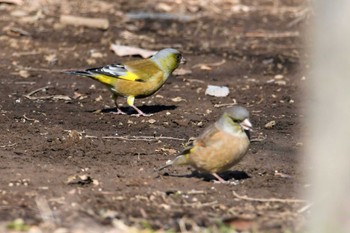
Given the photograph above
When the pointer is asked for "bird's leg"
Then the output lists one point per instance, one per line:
(140, 113)
(119, 111)
(219, 179)
(167, 164)
(130, 101)
(222, 181)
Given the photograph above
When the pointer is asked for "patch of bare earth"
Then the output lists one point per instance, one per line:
(67, 168)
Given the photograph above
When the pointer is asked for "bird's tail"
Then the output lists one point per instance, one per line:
(87, 73)
(79, 72)
(179, 160)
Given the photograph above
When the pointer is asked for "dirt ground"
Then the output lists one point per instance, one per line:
(67, 168)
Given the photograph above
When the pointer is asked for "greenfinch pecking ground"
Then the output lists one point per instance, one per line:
(135, 79)
(222, 145)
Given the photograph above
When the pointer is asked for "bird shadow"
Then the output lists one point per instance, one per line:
(148, 109)
(227, 175)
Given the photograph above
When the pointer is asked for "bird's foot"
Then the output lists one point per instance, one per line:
(119, 112)
(98, 111)
(139, 112)
(142, 114)
(229, 182)
(219, 180)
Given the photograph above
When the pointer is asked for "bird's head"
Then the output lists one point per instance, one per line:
(168, 59)
(238, 117)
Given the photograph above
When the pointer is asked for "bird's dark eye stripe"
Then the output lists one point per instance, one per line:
(234, 120)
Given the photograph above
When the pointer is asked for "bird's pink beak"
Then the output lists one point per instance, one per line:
(183, 60)
(246, 125)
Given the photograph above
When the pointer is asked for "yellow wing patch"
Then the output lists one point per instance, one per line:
(106, 79)
(130, 76)
(191, 150)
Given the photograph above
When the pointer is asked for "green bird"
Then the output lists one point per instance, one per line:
(136, 79)
(222, 145)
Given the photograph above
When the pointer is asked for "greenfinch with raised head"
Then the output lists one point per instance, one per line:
(220, 146)
(136, 79)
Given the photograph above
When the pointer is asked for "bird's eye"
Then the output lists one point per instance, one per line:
(178, 57)
(235, 120)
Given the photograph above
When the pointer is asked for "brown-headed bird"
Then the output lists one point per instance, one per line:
(220, 146)
(136, 79)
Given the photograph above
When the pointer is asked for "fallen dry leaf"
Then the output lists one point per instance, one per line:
(181, 71)
(99, 98)
(123, 50)
(91, 61)
(217, 91)
(270, 125)
(51, 58)
(76, 95)
(169, 151)
(24, 73)
(151, 121)
(177, 99)
(278, 76)
(74, 134)
(96, 54)
(204, 67)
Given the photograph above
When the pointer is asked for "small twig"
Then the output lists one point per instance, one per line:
(161, 16)
(195, 192)
(219, 63)
(25, 83)
(195, 80)
(258, 139)
(199, 204)
(29, 95)
(226, 105)
(29, 119)
(266, 34)
(13, 144)
(283, 175)
(100, 23)
(138, 138)
(268, 199)
(54, 97)
(30, 53)
(18, 30)
(305, 208)
(46, 70)
(47, 97)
